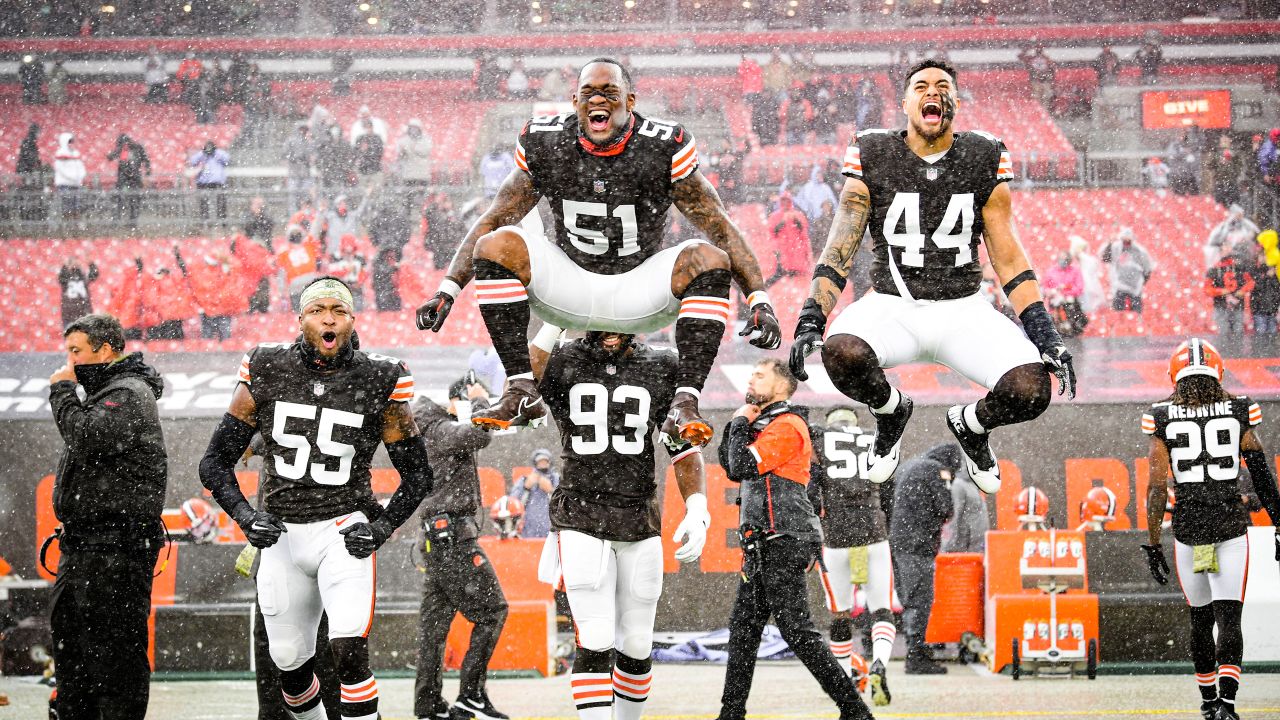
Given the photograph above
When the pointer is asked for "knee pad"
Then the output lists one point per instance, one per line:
(350, 658)
(635, 634)
(289, 654)
(841, 629)
(595, 634)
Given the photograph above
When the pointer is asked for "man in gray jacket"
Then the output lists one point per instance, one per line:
(108, 495)
(458, 577)
(298, 153)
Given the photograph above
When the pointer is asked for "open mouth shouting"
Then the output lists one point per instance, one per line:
(598, 120)
(931, 112)
(329, 339)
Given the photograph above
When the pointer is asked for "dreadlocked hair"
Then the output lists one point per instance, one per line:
(1197, 390)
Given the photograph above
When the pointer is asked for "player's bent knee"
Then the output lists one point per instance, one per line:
(1030, 384)
(597, 635)
(705, 256)
(500, 245)
(845, 354)
(289, 655)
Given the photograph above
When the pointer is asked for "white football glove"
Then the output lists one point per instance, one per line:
(693, 528)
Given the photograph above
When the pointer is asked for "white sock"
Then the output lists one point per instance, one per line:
(882, 637)
(970, 415)
(891, 404)
(629, 693)
(593, 695)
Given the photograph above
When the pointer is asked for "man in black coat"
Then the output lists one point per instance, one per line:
(108, 495)
(921, 506)
(389, 231)
(132, 165)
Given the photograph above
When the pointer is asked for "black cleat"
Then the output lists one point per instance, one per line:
(1225, 711)
(1209, 709)
(685, 422)
(440, 710)
(521, 404)
(920, 662)
(476, 707)
(887, 450)
(879, 684)
(981, 462)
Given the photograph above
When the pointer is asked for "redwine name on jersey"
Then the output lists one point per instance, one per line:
(320, 430)
(607, 413)
(851, 515)
(610, 209)
(1204, 455)
(926, 213)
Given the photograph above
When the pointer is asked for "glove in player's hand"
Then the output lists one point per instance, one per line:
(1058, 361)
(364, 538)
(262, 529)
(1156, 562)
(432, 314)
(692, 529)
(763, 328)
(808, 338)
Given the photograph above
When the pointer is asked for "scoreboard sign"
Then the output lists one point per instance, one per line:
(1183, 108)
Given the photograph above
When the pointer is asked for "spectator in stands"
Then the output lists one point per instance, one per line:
(211, 164)
(389, 230)
(215, 284)
(132, 165)
(1063, 285)
(804, 69)
(820, 227)
(1184, 162)
(166, 303)
(777, 74)
(1040, 71)
(75, 281)
(789, 241)
(31, 172)
(339, 222)
(298, 154)
(1223, 170)
(188, 74)
(534, 492)
(256, 102)
(350, 266)
(413, 162)
(1229, 236)
(1092, 295)
(31, 76)
(868, 105)
(1156, 175)
(1107, 66)
(556, 84)
(335, 161)
(488, 76)
(258, 225)
(797, 111)
(204, 98)
(1229, 284)
(1129, 265)
(1269, 158)
(494, 169)
(237, 78)
(257, 267)
(765, 122)
(299, 260)
(1265, 300)
(58, 79)
(751, 77)
(68, 175)
(369, 149)
(29, 163)
(813, 193)
(517, 82)
(441, 229)
(728, 169)
(155, 76)
(374, 124)
(1149, 57)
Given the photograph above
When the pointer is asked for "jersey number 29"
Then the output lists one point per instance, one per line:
(1216, 449)
(325, 443)
(955, 232)
(589, 411)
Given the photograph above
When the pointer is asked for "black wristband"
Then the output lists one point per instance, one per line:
(1017, 280)
(811, 318)
(826, 271)
(1039, 327)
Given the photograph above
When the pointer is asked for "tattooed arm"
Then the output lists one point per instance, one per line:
(843, 241)
(514, 200)
(698, 201)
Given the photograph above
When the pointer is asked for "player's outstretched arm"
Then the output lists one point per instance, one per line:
(692, 531)
(514, 200)
(1264, 481)
(832, 271)
(217, 470)
(1012, 267)
(1157, 493)
(408, 455)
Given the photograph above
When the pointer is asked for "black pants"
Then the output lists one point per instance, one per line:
(270, 699)
(913, 575)
(385, 267)
(458, 579)
(260, 301)
(98, 614)
(220, 199)
(778, 588)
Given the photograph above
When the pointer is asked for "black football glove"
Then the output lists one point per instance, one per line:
(1159, 568)
(364, 538)
(808, 338)
(261, 528)
(763, 328)
(432, 314)
(1053, 353)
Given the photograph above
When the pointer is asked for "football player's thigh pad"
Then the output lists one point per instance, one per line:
(881, 321)
(974, 339)
(291, 607)
(1195, 586)
(835, 579)
(640, 300)
(584, 560)
(879, 586)
(1233, 567)
(347, 585)
(559, 289)
(639, 587)
(549, 560)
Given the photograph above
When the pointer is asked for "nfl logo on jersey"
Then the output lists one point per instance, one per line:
(598, 186)
(318, 389)
(931, 173)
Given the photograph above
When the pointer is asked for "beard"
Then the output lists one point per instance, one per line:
(756, 399)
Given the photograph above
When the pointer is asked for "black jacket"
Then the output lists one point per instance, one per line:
(133, 163)
(922, 500)
(112, 474)
(777, 504)
(451, 450)
(1265, 299)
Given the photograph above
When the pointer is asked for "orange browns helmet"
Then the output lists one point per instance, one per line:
(204, 521)
(1195, 357)
(1099, 505)
(508, 514)
(1033, 505)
